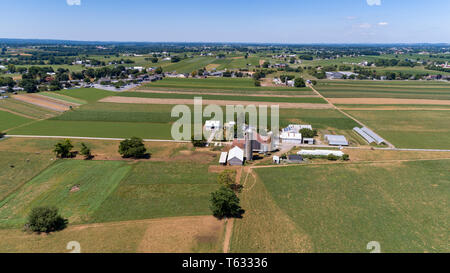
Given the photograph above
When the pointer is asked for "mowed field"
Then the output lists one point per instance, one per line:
(342, 207)
(385, 89)
(9, 120)
(163, 202)
(427, 129)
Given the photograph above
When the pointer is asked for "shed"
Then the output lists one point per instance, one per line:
(236, 156)
(336, 140)
(223, 158)
(364, 135)
(376, 137)
(295, 159)
(307, 140)
(276, 159)
(320, 152)
(291, 137)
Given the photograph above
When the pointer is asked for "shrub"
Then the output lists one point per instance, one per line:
(227, 178)
(45, 219)
(133, 147)
(85, 151)
(225, 203)
(308, 133)
(63, 149)
(332, 157)
(346, 157)
(198, 142)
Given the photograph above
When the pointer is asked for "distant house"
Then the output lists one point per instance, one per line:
(211, 125)
(236, 156)
(336, 140)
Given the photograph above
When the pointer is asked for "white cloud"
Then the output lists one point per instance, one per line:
(383, 24)
(73, 2)
(374, 2)
(365, 25)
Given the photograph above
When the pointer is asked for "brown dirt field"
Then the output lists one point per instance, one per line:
(210, 67)
(376, 155)
(387, 101)
(42, 102)
(237, 58)
(233, 94)
(261, 62)
(268, 82)
(183, 234)
(118, 99)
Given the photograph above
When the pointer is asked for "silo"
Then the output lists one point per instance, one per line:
(248, 145)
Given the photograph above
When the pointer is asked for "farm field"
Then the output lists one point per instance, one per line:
(187, 234)
(342, 207)
(237, 85)
(188, 65)
(61, 97)
(409, 129)
(385, 89)
(224, 97)
(9, 120)
(26, 109)
(86, 94)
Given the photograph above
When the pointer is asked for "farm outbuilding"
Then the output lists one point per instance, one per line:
(295, 158)
(363, 134)
(376, 137)
(336, 140)
(291, 137)
(236, 156)
(223, 158)
(309, 141)
(320, 152)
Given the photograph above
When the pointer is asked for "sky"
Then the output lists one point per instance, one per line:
(254, 21)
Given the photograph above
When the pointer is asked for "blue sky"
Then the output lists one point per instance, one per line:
(265, 21)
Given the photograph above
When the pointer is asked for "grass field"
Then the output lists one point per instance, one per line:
(224, 97)
(86, 94)
(385, 89)
(52, 187)
(160, 189)
(187, 234)
(9, 120)
(59, 96)
(409, 129)
(342, 207)
(240, 85)
(27, 109)
(189, 65)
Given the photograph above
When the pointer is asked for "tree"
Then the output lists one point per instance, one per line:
(45, 219)
(225, 203)
(63, 149)
(159, 70)
(345, 157)
(85, 151)
(198, 142)
(29, 85)
(133, 147)
(257, 83)
(332, 157)
(299, 82)
(227, 178)
(308, 133)
(154, 60)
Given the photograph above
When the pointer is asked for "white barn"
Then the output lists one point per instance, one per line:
(236, 156)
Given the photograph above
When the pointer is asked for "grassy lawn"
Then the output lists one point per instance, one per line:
(343, 207)
(409, 129)
(9, 120)
(52, 187)
(160, 189)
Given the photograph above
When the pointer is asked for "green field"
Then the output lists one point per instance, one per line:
(26, 109)
(409, 129)
(224, 97)
(52, 187)
(238, 85)
(8, 120)
(385, 89)
(160, 189)
(188, 65)
(18, 168)
(341, 208)
(59, 96)
(86, 94)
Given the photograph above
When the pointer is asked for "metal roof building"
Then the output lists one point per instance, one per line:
(223, 158)
(236, 156)
(320, 152)
(376, 137)
(336, 140)
(363, 134)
